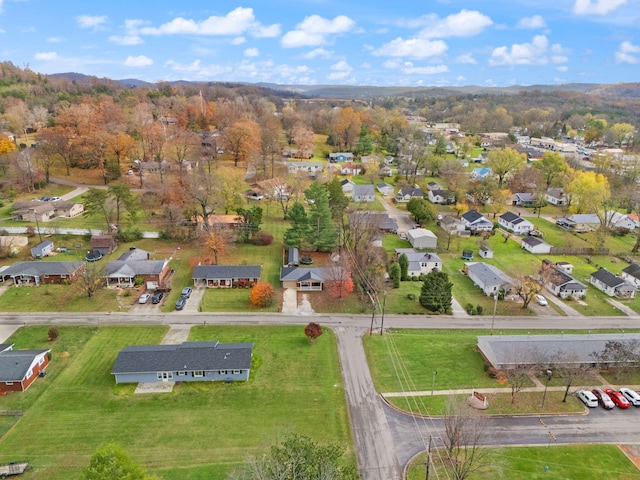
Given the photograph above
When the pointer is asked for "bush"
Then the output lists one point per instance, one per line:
(53, 333)
(479, 309)
(262, 238)
(130, 235)
(411, 296)
(262, 295)
(470, 309)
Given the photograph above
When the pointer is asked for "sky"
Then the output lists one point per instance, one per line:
(337, 42)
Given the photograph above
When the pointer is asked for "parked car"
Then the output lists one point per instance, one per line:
(631, 395)
(144, 298)
(541, 300)
(45, 199)
(617, 398)
(157, 296)
(55, 199)
(588, 398)
(603, 398)
(182, 301)
(186, 292)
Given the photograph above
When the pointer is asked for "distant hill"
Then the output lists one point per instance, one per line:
(617, 90)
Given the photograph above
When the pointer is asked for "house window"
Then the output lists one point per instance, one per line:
(198, 373)
(41, 361)
(236, 372)
(182, 374)
(29, 373)
(46, 276)
(222, 372)
(159, 375)
(63, 276)
(8, 383)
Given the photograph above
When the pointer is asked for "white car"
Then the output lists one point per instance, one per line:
(55, 199)
(588, 398)
(144, 298)
(631, 395)
(541, 300)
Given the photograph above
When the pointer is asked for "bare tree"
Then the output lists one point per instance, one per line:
(622, 356)
(518, 377)
(464, 433)
(526, 288)
(91, 279)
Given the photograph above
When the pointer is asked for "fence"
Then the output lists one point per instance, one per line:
(11, 413)
(578, 251)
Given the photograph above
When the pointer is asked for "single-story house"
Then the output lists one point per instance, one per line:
(515, 223)
(434, 186)
(105, 244)
(310, 167)
(561, 284)
(136, 264)
(406, 194)
(611, 284)
(339, 157)
(524, 199)
(420, 262)
(620, 220)
(632, 274)
(185, 362)
(475, 221)
(556, 196)
(34, 211)
(535, 245)
(488, 278)
(20, 368)
(385, 171)
(443, 197)
(67, 209)
(582, 222)
(351, 169)
(422, 238)
(480, 173)
(303, 278)
(364, 193)
(385, 188)
(452, 225)
(254, 193)
(571, 350)
(347, 185)
(42, 249)
(364, 219)
(36, 273)
(226, 276)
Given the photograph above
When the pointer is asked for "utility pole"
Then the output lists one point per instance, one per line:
(495, 306)
(428, 459)
(384, 300)
(37, 224)
(433, 387)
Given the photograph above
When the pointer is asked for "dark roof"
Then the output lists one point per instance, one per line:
(185, 356)
(14, 364)
(411, 191)
(442, 193)
(35, 269)
(102, 241)
(608, 278)
(473, 216)
(5, 346)
(633, 270)
(131, 268)
(381, 220)
(226, 271)
(302, 273)
(532, 241)
(511, 217)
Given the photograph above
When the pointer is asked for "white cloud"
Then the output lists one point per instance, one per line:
(627, 53)
(139, 61)
(1, 9)
(467, 23)
(238, 41)
(313, 30)
(537, 52)
(251, 52)
(125, 39)
(47, 56)
(236, 22)
(466, 58)
(562, 68)
(318, 53)
(597, 7)
(412, 48)
(409, 68)
(532, 23)
(94, 22)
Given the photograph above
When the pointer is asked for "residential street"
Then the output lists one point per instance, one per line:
(385, 439)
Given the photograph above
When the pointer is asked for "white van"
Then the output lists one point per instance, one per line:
(631, 395)
(588, 398)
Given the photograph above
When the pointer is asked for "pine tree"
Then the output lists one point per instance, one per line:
(436, 292)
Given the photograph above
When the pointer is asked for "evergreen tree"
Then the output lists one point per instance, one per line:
(403, 261)
(338, 201)
(436, 292)
(294, 235)
(394, 274)
(322, 230)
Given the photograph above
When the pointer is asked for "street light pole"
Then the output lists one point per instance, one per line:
(549, 374)
(433, 387)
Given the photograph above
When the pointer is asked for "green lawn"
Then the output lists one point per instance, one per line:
(63, 298)
(586, 462)
(231, 300)
(200, 430)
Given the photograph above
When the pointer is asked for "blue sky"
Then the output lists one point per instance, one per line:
(375, 42)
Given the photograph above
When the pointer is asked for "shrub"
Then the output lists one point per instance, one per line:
(411, 296)
(469, 309)
(262, 238)
(53, 333)
(262, 295)
(479, 309)
(130, 235)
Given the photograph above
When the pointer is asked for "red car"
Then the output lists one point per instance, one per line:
(617, 398)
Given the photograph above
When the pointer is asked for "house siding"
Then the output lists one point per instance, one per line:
(176, 376)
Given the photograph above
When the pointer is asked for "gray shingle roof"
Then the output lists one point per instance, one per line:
(211, 272)
(42, 268)
(134, 254)
(511, 217)
(131, 268)
(633, 270)
(185, 356)
(302, 273)
(14, 364)
(608, 278)
(362, 190)
(532, 241)
(473, 216)
(488, 274)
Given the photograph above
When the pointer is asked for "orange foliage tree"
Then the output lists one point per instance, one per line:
(313, 331)
(340, 287)
(262, 295)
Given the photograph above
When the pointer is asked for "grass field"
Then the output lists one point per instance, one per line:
(198, 431)
(586, 462)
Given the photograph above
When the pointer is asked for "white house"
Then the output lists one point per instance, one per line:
(475, 221)
(406, 194)
(612, 285)
(632, 274)
(351, 169)
(347, 185)
(422, 238)
(420, 262)
(535, 245)
(385, 188)
(562, 284)
(451, 225)
(515, 223)
(620, 220)
(556, 196)
(443, 197)
(364, 193)
(481, 173)
(310, 167)
(488, 278)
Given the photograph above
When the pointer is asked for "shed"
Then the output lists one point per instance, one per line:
(42, 249)
(422, 238)
(485, 252)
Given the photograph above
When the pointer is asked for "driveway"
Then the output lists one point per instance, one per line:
(402, 218)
